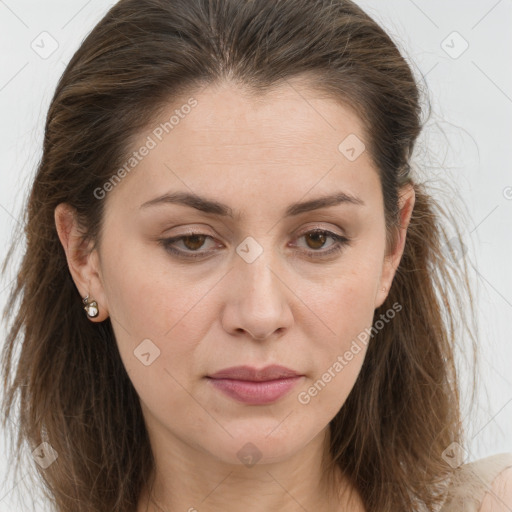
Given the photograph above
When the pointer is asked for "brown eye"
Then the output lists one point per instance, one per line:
(190, 245)
(318, 239)
(193, 242)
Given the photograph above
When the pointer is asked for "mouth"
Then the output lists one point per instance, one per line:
(249, 373)
(256, 392)
(255, 387)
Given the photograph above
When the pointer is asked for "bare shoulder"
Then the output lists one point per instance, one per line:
(499, 496)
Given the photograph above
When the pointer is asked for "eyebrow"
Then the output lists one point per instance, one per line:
(215, 208)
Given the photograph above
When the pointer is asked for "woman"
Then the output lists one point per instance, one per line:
(234, 292)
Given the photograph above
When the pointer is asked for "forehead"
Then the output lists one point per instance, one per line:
(231, 141)
(288, 119)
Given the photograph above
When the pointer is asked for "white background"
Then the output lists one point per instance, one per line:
(467, 140)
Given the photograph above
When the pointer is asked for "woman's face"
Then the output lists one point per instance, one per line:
(253, 287)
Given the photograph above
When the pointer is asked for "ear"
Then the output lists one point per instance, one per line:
(83, 262)
(406, 201)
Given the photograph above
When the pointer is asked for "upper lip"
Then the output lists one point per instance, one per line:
(249, 373)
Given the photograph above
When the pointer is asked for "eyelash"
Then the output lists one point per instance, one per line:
(338, 246)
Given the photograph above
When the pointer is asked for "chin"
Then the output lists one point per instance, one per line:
(254, 444)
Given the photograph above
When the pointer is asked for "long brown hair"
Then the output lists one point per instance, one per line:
(73, 390)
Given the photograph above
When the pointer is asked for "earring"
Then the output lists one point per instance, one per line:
(91, 307)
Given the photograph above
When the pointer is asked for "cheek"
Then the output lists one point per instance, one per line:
(147, 295)
(345, 310)
(345, 302)
(153, 315)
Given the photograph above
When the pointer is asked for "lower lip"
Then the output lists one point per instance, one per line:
(255, 393)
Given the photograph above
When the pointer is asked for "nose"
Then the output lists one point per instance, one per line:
(258, 300)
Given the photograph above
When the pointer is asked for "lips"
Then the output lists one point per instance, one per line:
(255, 387)
(248, 373)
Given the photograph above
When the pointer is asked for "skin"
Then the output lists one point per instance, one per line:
(499, 497)
(257, 156)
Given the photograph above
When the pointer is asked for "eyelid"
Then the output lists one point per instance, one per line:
(166, 243)
(340, 241)
(319, 227)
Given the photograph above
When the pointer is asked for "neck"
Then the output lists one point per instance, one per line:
(301, 482)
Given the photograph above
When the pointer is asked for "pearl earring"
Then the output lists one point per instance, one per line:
(91, 307)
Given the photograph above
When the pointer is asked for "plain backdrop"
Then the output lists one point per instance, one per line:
(459, 49)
